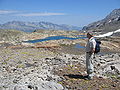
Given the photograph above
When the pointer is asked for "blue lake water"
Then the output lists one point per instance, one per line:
(79, 46)
(58, 38)
(54, 38)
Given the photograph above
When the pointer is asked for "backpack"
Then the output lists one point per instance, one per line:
(97, 48)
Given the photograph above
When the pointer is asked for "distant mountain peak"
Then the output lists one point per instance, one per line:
(114, 14)
(110, 23)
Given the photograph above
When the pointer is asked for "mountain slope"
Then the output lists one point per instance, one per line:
(31, 26)
(110, 23)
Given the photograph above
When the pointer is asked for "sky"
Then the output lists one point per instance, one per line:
(71, 12)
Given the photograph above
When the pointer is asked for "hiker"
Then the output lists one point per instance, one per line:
(90, 50)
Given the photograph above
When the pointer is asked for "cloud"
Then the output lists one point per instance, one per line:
(26, 14)
(7, 11)
(40, 14)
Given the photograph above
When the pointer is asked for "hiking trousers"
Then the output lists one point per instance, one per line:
(89, 63)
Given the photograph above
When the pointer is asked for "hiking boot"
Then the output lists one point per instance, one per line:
(90, 77)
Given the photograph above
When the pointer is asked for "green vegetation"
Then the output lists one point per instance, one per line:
(20, 66)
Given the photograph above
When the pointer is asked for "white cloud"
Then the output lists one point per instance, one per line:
(21, 13)
(7, 11)
(40, 14)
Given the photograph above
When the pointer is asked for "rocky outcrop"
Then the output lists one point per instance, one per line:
(108, 65)
(11, 36)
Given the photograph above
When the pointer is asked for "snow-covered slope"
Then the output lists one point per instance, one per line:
(108, 34)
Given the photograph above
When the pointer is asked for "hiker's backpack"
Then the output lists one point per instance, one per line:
(97, 48)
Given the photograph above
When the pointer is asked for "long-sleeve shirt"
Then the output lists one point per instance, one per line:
(91, 44)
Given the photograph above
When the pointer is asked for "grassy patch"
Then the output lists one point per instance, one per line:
(24, 53)
(4, 63)
(20, 66)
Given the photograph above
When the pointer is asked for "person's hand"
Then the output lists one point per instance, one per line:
(93, 50)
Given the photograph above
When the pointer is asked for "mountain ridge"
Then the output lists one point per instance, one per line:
(32, 26)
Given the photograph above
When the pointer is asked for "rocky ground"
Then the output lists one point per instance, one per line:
(51, 69)
(26, 69)
(58, 65)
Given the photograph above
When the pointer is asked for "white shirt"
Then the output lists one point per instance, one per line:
(90, 44)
